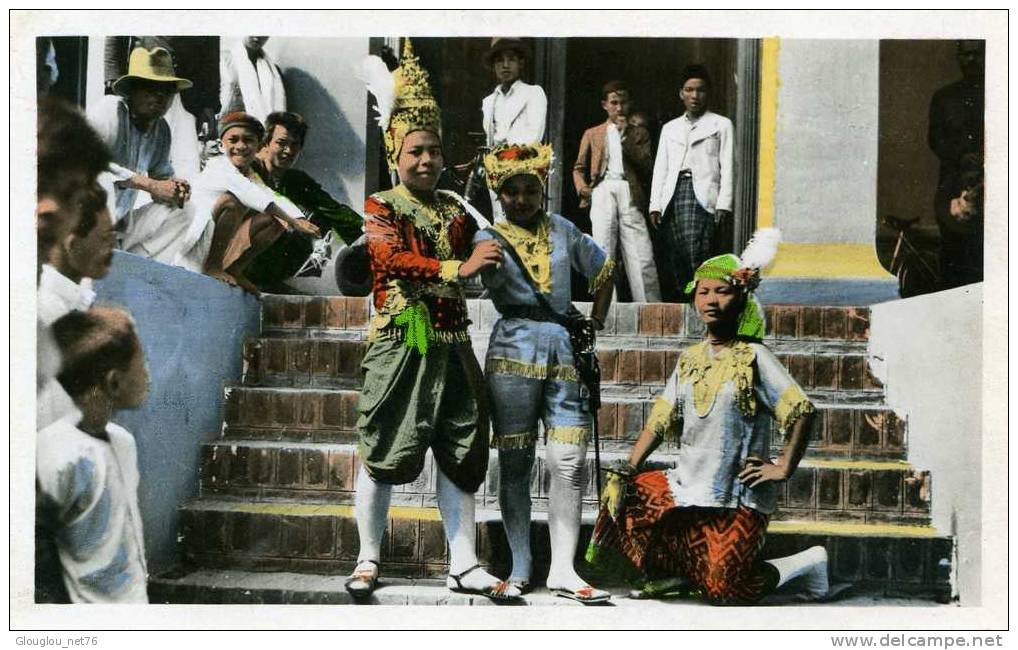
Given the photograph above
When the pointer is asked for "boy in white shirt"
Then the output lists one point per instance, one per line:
(515, 112)
(87, 467)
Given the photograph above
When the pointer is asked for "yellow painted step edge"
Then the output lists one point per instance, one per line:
(875, 465)
(851, 529)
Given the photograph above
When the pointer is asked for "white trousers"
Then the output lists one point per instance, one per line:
(157, 231)
(615, 220)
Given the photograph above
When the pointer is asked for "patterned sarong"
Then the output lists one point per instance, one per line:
(690, 231)
(714, 549)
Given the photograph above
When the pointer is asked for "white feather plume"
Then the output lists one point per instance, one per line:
(381, 84)
(761, 249)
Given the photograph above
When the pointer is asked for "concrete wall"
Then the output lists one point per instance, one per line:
(321, 86)
(192, 328)
(928, 352)
(826, 152)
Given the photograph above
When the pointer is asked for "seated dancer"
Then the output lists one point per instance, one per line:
(529, 365)
(423, 388)
(704, 521)
(236, 217)
(294, 253)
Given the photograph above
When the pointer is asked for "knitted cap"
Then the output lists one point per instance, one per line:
(240, 118)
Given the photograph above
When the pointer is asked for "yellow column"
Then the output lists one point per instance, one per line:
(798, 260)
(769, 81)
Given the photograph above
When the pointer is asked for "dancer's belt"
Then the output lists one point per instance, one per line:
(534, 313)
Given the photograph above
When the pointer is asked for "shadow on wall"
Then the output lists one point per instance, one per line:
(334, 150)
(192, 330)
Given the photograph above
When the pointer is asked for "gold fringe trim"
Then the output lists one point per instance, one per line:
(569, 435)
(398, 334)
(708, 374)
(450, 270)
(604, 276)
(792, 405)
(504, 366)
(664, 420)
(522, 440)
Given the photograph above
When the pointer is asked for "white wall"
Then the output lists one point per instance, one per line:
(928, 353)
(826, 151)
(321, 86)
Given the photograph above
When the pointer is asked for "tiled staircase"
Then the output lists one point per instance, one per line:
(274, 519)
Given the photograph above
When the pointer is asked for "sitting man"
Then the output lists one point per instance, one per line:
(294, 253)
(132, 125)
(236, 217)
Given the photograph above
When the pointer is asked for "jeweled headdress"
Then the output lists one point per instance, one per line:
(403, 100)
(744, 272)
(508, 160)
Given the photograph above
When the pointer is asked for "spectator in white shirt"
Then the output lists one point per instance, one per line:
(692, 186)
(250, 81)
(613, 160)
(87, 467)
(515, 112)
(65, 285)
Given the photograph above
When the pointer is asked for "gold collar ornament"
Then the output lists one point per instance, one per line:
(710, 372)
(534, 249)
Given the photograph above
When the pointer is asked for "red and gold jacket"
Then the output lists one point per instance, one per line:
(416, 250)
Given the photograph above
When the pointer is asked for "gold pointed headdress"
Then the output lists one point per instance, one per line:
(403, 100)
(508, 160)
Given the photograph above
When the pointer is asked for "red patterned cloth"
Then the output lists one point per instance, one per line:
(715, 549)
(399, 249)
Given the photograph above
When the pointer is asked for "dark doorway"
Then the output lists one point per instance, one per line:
(61, 62)
(652, 68)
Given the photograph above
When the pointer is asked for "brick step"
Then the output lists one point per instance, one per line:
(214, 586)
(870, 491)
(861, 431)
(316, 316)
(322, 539)
(333, 362)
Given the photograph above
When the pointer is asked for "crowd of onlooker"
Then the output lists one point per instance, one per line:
(133, 173)
(211, 186)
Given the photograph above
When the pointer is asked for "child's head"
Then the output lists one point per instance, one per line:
(639, 119)
(102, 354)
(87, 250)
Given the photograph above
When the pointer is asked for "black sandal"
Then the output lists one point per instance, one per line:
(362, 583)
(497, 591)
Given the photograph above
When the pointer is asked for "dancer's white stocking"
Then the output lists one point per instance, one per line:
(371, 507)
(457, 509)
(565, 465)
(515, 467)
(811, 564)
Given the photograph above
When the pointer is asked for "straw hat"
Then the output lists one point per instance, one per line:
(152, 65)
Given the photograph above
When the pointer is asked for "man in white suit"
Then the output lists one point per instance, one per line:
(692, 186)
(516, 112)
